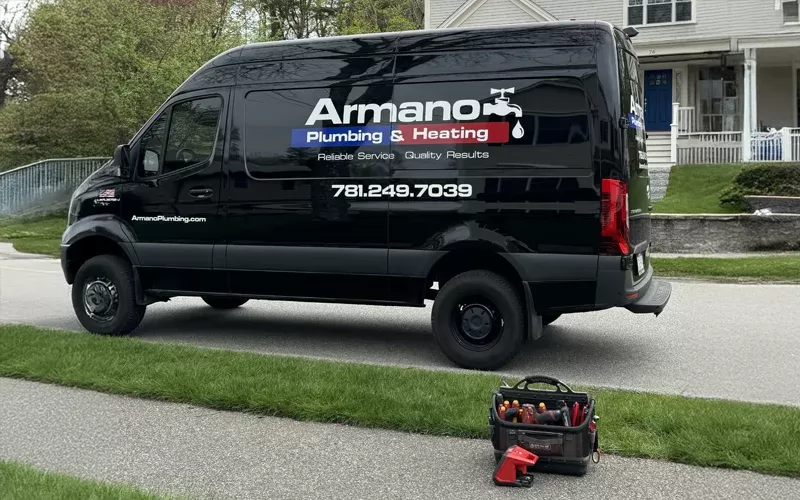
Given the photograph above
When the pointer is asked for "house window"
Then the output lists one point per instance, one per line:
(790, 11)
(719, 99)
(643, 12)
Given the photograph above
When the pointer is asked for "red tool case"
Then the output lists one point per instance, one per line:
(561, 449)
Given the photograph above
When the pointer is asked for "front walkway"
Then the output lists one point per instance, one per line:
(211, 454)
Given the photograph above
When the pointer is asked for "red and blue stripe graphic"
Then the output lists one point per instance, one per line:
(368, 135)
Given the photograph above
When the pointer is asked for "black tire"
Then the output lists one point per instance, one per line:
(549, 318)
(486, 297)
(106, 283)
(224, 302)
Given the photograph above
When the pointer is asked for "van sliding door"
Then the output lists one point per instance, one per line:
(306, 208)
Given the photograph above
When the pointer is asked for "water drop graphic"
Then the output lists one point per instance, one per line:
(518, 131)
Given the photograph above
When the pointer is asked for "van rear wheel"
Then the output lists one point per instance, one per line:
(478, 320)
(104, 298)
(224, 302)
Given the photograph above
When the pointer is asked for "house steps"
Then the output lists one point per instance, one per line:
(658, 161)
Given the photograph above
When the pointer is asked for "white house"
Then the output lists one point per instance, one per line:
(712, 69)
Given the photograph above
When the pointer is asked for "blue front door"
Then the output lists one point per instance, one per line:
(657, 99)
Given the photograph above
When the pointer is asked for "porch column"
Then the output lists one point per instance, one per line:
(750, 112)
(753, 91)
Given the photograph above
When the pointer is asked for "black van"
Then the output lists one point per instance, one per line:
(500, 171)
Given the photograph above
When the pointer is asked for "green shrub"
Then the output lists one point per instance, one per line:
(762, 180)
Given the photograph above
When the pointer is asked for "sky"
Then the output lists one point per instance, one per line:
(7, 9)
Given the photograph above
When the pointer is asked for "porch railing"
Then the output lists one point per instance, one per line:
(685, 118)
(46, 182)
(689, 146)
(709, 147)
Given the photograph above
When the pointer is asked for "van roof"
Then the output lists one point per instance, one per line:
(377, 43)
(551, 33)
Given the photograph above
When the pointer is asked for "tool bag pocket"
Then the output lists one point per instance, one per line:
(561, 449)
(540, 443)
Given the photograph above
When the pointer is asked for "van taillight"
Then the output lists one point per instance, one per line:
(614, 223)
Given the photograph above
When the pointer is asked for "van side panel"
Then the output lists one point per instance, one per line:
(288, 232)
(534, 192)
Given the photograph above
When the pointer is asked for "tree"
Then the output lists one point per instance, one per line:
(290, 19)
(375, 16)
(78, 77)
(96, 70)
(11, 14)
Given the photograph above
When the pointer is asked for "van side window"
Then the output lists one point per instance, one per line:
(476, 124)
(192, 133)
(341, 131)
(193, 128)
(151, 148)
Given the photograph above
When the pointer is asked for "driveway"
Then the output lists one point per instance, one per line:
(714, 340)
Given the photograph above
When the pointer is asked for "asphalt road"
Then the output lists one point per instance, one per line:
(165, 447)
(713, 340)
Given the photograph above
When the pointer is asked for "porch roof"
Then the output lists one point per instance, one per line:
(768, 41)
(683, 47)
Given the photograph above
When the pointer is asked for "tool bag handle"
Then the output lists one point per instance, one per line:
(542, 379)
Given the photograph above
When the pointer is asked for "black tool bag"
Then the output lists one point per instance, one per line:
(561, 449)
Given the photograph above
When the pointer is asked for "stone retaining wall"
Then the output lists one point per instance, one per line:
(717, 233)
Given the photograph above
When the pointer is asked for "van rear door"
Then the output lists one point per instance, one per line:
(638, 185)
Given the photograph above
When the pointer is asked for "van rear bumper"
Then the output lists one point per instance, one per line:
(654, 300)
(616, 288)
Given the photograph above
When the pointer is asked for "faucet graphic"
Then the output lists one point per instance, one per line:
(501, 107)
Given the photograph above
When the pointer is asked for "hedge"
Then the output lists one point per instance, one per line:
(762, 180)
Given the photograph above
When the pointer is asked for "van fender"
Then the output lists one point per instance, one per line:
(106, 226)
(109, 227)
(470, 236)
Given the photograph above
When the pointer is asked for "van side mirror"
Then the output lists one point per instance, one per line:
(122, 160)
(630, 31)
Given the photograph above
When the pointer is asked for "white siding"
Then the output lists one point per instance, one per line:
(721, 18)
(714, 18)
(604, 10)
(441, 10)
(775, 96)
(502, 11)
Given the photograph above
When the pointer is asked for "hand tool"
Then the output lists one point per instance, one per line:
(549, 417)
(512, 414)
(562, 405)
(528, 415)
(576, 408)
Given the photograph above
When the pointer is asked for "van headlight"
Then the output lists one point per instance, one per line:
(72, 213)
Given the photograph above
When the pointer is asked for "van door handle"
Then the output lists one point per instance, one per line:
(201, 192)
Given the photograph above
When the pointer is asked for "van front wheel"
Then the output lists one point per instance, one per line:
(478, 320)
(104, 298)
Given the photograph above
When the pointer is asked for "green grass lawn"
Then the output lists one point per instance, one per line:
(35, 235)
(695, 189)
(22, 482)
(694, 431)
(768, 268)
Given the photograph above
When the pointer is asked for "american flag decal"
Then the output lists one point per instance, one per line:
(108, 193)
